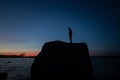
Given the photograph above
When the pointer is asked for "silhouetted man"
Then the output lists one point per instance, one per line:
(70, 34)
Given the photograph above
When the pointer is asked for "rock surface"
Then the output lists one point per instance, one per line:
(62, 61)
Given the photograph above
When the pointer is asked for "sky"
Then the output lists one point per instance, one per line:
(25, 25)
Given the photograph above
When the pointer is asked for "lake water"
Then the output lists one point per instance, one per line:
(106, 68)
(19, 68)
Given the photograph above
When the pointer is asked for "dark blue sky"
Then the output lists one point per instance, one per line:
(25, 25)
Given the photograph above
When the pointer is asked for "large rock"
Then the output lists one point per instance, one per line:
(62, 61)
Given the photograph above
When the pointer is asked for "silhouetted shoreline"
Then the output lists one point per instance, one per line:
(5, 56)
(14, 56)
(105, 57)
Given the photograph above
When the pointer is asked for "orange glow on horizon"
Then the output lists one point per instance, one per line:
(26, 54)
(31, 53)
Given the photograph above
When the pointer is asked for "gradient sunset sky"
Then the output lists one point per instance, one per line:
(25, 25)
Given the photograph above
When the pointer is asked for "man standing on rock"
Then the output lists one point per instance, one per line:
(70, 34)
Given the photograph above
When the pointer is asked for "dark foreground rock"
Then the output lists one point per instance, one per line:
(62, 61)
(3, 75)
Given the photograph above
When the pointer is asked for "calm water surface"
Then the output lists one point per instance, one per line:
(106, 68)
(19, 68)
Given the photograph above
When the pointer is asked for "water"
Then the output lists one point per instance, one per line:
(19, 68)
(106, 68)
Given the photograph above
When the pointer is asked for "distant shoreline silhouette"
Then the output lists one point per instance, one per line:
(70, 34)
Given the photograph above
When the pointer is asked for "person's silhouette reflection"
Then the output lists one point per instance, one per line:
(70, 34)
